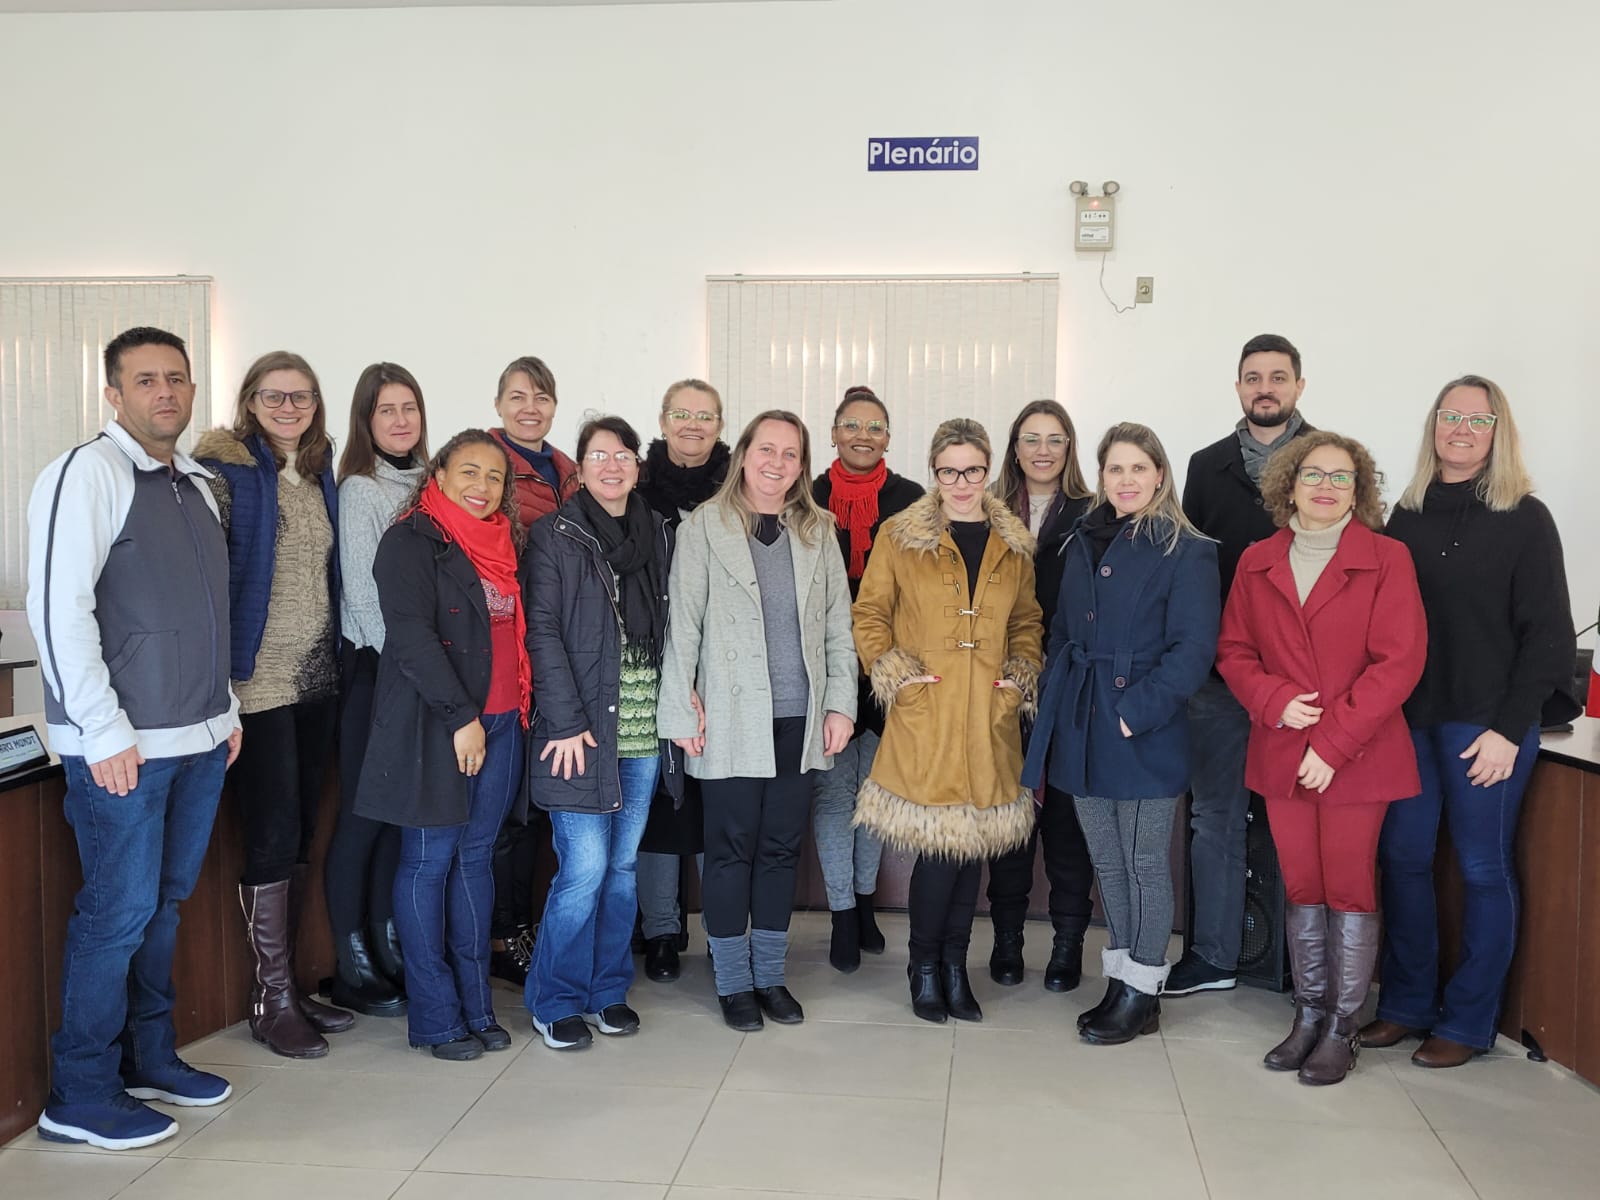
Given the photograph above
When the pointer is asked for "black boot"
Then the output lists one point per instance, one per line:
(661, 958)
(1111, 964)
(1065, 970)
(1005, 960)
(1113, 996)
(872, 940)
(383, 943)
(358, 985)
(958, 997)
(844, 949)
(514, 959)
(927, 996)
(1132, 1014)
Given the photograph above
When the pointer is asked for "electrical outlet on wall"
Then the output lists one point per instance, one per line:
(1144, 289)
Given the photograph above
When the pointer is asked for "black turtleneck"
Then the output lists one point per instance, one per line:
(400, 462)
(1500, 639)
(971, 539)
(1100, 529)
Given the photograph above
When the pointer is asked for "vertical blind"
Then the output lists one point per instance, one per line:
(931, 347)
(52, 335)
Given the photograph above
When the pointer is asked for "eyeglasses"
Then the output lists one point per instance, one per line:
(683, 414)
(1032, 441)
(951, 474)
(1478, 422)
(1342, 480)
(623, 458)
(272, 398)
(871, 428)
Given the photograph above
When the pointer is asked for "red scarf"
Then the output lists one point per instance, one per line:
(853, 501)
(486, 542)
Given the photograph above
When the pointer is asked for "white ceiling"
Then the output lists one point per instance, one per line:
(71, 6)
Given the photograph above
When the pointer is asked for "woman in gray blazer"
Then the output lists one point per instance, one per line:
(758, 686)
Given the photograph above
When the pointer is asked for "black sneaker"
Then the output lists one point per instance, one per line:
(493, 1036)
(512, 963)
(569, 1033)
(614, 1020)
(1193, 974)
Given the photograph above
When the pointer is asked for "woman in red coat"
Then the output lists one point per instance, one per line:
(1323, 638)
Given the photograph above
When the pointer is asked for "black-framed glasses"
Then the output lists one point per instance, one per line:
(948, 475)
(1477, 422)
(1342, 480)
(272, 398)
(623, 458)
(679, 415)
(1032, 441)
(871, 428)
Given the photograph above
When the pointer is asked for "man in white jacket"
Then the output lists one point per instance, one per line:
(128, 600)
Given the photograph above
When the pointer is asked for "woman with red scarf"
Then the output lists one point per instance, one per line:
(445, 758)
(861, 493)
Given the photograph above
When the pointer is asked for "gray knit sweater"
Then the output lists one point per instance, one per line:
(368, 505)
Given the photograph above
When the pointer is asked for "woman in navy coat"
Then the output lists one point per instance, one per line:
(1133, 637)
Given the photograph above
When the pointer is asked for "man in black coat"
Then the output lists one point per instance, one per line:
(1222, 496)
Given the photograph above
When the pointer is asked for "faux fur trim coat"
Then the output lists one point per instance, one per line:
(946, 780)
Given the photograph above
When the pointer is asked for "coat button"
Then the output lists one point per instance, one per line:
(1121, 681)
(1259, 502)
(735, 689)
(611, 708)
(732, 654)
(1105, 572)
(1089, 615)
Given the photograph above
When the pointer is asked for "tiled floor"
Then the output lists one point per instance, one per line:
(861, 1101)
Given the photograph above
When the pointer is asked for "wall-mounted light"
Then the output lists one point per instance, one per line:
(1078, 187)
(1110, 187)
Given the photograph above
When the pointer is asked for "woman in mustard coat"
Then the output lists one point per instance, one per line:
(948, 629)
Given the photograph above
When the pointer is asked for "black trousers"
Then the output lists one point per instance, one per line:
(516, 856)
(942, 903)
(278, 780)
(1066, 866)
(754, 831)
(359, 873)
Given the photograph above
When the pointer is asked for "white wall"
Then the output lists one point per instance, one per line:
(449, 188)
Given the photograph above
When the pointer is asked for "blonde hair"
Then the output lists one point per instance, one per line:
(801, 514)
(1504, 481)
(696, 385)
(957, 431)
(1164, 508)
(1010, 483)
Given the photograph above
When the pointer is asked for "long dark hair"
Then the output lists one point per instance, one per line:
(1010, 483)
(314, 455)
(508, 495)
(360, 455)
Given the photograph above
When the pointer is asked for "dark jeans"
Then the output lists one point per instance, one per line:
(359, 870)
(278, 779)
(442, 895)
(754, 830)
(141, 855)
(1483, 828)
(1219, 804)
(516, 855)
(1066, 866)
(942, 902)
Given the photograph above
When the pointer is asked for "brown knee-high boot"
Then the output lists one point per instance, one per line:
(1308, 959)
(275, 1019)
(323, 1018)
(1353, 940)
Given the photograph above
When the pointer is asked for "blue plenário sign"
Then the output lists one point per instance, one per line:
(922, 154)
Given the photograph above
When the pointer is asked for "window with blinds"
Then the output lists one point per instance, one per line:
(931, 347)
(52, 335)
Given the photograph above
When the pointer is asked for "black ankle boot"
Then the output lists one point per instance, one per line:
(958, 997)
(1114, 990)
(357, 984)
(661, 958)
(1065, 971)
(1005, 961)
(1132, 1014)
(844, 950)
(383, 944)
(927, 996)
(872, 940)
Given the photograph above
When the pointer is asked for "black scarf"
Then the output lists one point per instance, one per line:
(628, 545)
(673, 490)
(1100, 528)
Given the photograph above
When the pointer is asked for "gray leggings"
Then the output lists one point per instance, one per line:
(849, 857)
(1130, 842)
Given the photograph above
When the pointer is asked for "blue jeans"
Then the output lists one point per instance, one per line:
(582, 960)
(141, 855)
(1219, 805)
(443, 895)
(1483, 828)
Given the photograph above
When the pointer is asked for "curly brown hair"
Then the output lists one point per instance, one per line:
(1278, 479)
(508, 497)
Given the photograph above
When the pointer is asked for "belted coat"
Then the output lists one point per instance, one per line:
(1132, 640)
(946, 779)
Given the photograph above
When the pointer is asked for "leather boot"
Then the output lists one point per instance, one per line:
(1065, 969)
(323, 1018)
(1136, 1009)
(958, 997)
(844, 948)
(661, 958)
(1353, 940)
(358, 985)
(1111, 962)
(1005, 960)
(927, 996)
(1307, 929)
(275, 1019)
(872, 939)
(1381, 1034)
(383, 943)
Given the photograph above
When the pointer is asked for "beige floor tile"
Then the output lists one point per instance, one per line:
(428, 1185)
(526, 1126)
(1552, 1166)
(671, 1049)
(1248, 1159)
(1060, 1070)
(837, 1145)
(695, 1193)
(895, 1061)
(337, 1121)
(1216, 1077)
(875, 994)
(1018, 1152)
(198, 1179)
(1245, 1014)
(1504, 1099)
(27, 1175)
(373, 1046)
